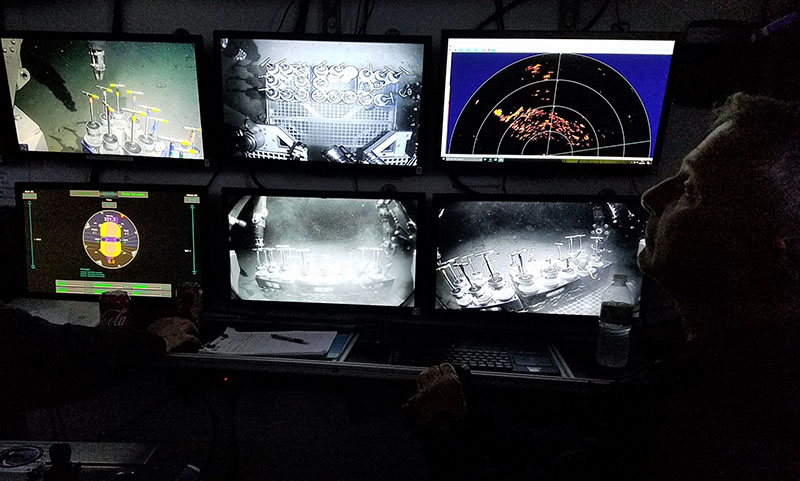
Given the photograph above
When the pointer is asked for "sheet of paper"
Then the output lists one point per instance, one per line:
(272, 343)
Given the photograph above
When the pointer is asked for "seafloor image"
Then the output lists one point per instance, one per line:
(544, 257)
(340, 102)
(148, 88)
(555, 105)
(315, 250)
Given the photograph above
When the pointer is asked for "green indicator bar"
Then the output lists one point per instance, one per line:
(141, 286)
(135, 293)
(194, 256)
(99, 291)
(102, 285)
(30, 228)
(62, 290)
(83, 193)
(61, 283)
(132, 194)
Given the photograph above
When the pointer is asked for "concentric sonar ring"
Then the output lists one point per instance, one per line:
(564, 105)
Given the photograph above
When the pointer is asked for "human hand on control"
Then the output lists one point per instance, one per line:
(178, 333)
(439, 402)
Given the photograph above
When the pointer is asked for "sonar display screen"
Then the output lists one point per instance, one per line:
(554, 100)
(534, 256)
(89, 240)
(85, 95)
(322, 100)
(323, 250)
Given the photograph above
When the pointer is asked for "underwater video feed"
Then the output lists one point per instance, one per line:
(535, 257)
(126, 98)
(322, 250)
(343, 102)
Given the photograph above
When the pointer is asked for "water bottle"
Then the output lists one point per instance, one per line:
(614, 327)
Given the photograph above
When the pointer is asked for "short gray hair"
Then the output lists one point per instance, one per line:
(773, 128)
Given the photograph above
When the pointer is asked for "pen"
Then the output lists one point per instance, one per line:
(296, 340)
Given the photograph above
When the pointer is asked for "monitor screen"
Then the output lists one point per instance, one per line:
(535, 99)
(86, 240)
(103, 96)
(550, 256)
(342, 100)
(313, 249)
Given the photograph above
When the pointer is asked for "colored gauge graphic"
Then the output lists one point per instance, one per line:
(110, 239)
(555, 105)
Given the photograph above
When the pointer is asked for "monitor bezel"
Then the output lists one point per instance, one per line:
(425, 139)
(19, 239)
(533, 168)
(561, 324)
(10, 147)
(319, 314)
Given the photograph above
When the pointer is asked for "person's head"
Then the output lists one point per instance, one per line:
(726, 227)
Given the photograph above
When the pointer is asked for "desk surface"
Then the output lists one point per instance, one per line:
(578, 370)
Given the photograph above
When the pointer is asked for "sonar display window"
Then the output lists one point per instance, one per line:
(323, 250)
(554, 100)
(102, 96)
(324, 100)
(89, 240)
(545, 257)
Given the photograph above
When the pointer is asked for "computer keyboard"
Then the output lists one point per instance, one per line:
(478, 357)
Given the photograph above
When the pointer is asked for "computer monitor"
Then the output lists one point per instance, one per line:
(345, 100)
(83, 240)
(106, 97)
(323, 254)
(542, 100)
(526, 259)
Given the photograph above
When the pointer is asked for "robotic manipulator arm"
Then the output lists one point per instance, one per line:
(97, 52)
(399, 230)
(259, 219)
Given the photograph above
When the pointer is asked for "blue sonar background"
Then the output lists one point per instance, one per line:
(647, 74)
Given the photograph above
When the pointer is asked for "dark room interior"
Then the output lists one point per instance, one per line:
(416, 241)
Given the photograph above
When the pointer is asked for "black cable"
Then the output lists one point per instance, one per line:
(358, 16)
(461, 186)
(255, 178)
(368, 7)
(597, 16)
(501, 12)
(355, 184)
(501, 24)
(302, 17)
(283, 19)
(505, 176)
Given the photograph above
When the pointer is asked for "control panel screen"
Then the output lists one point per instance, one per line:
(89, 240)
